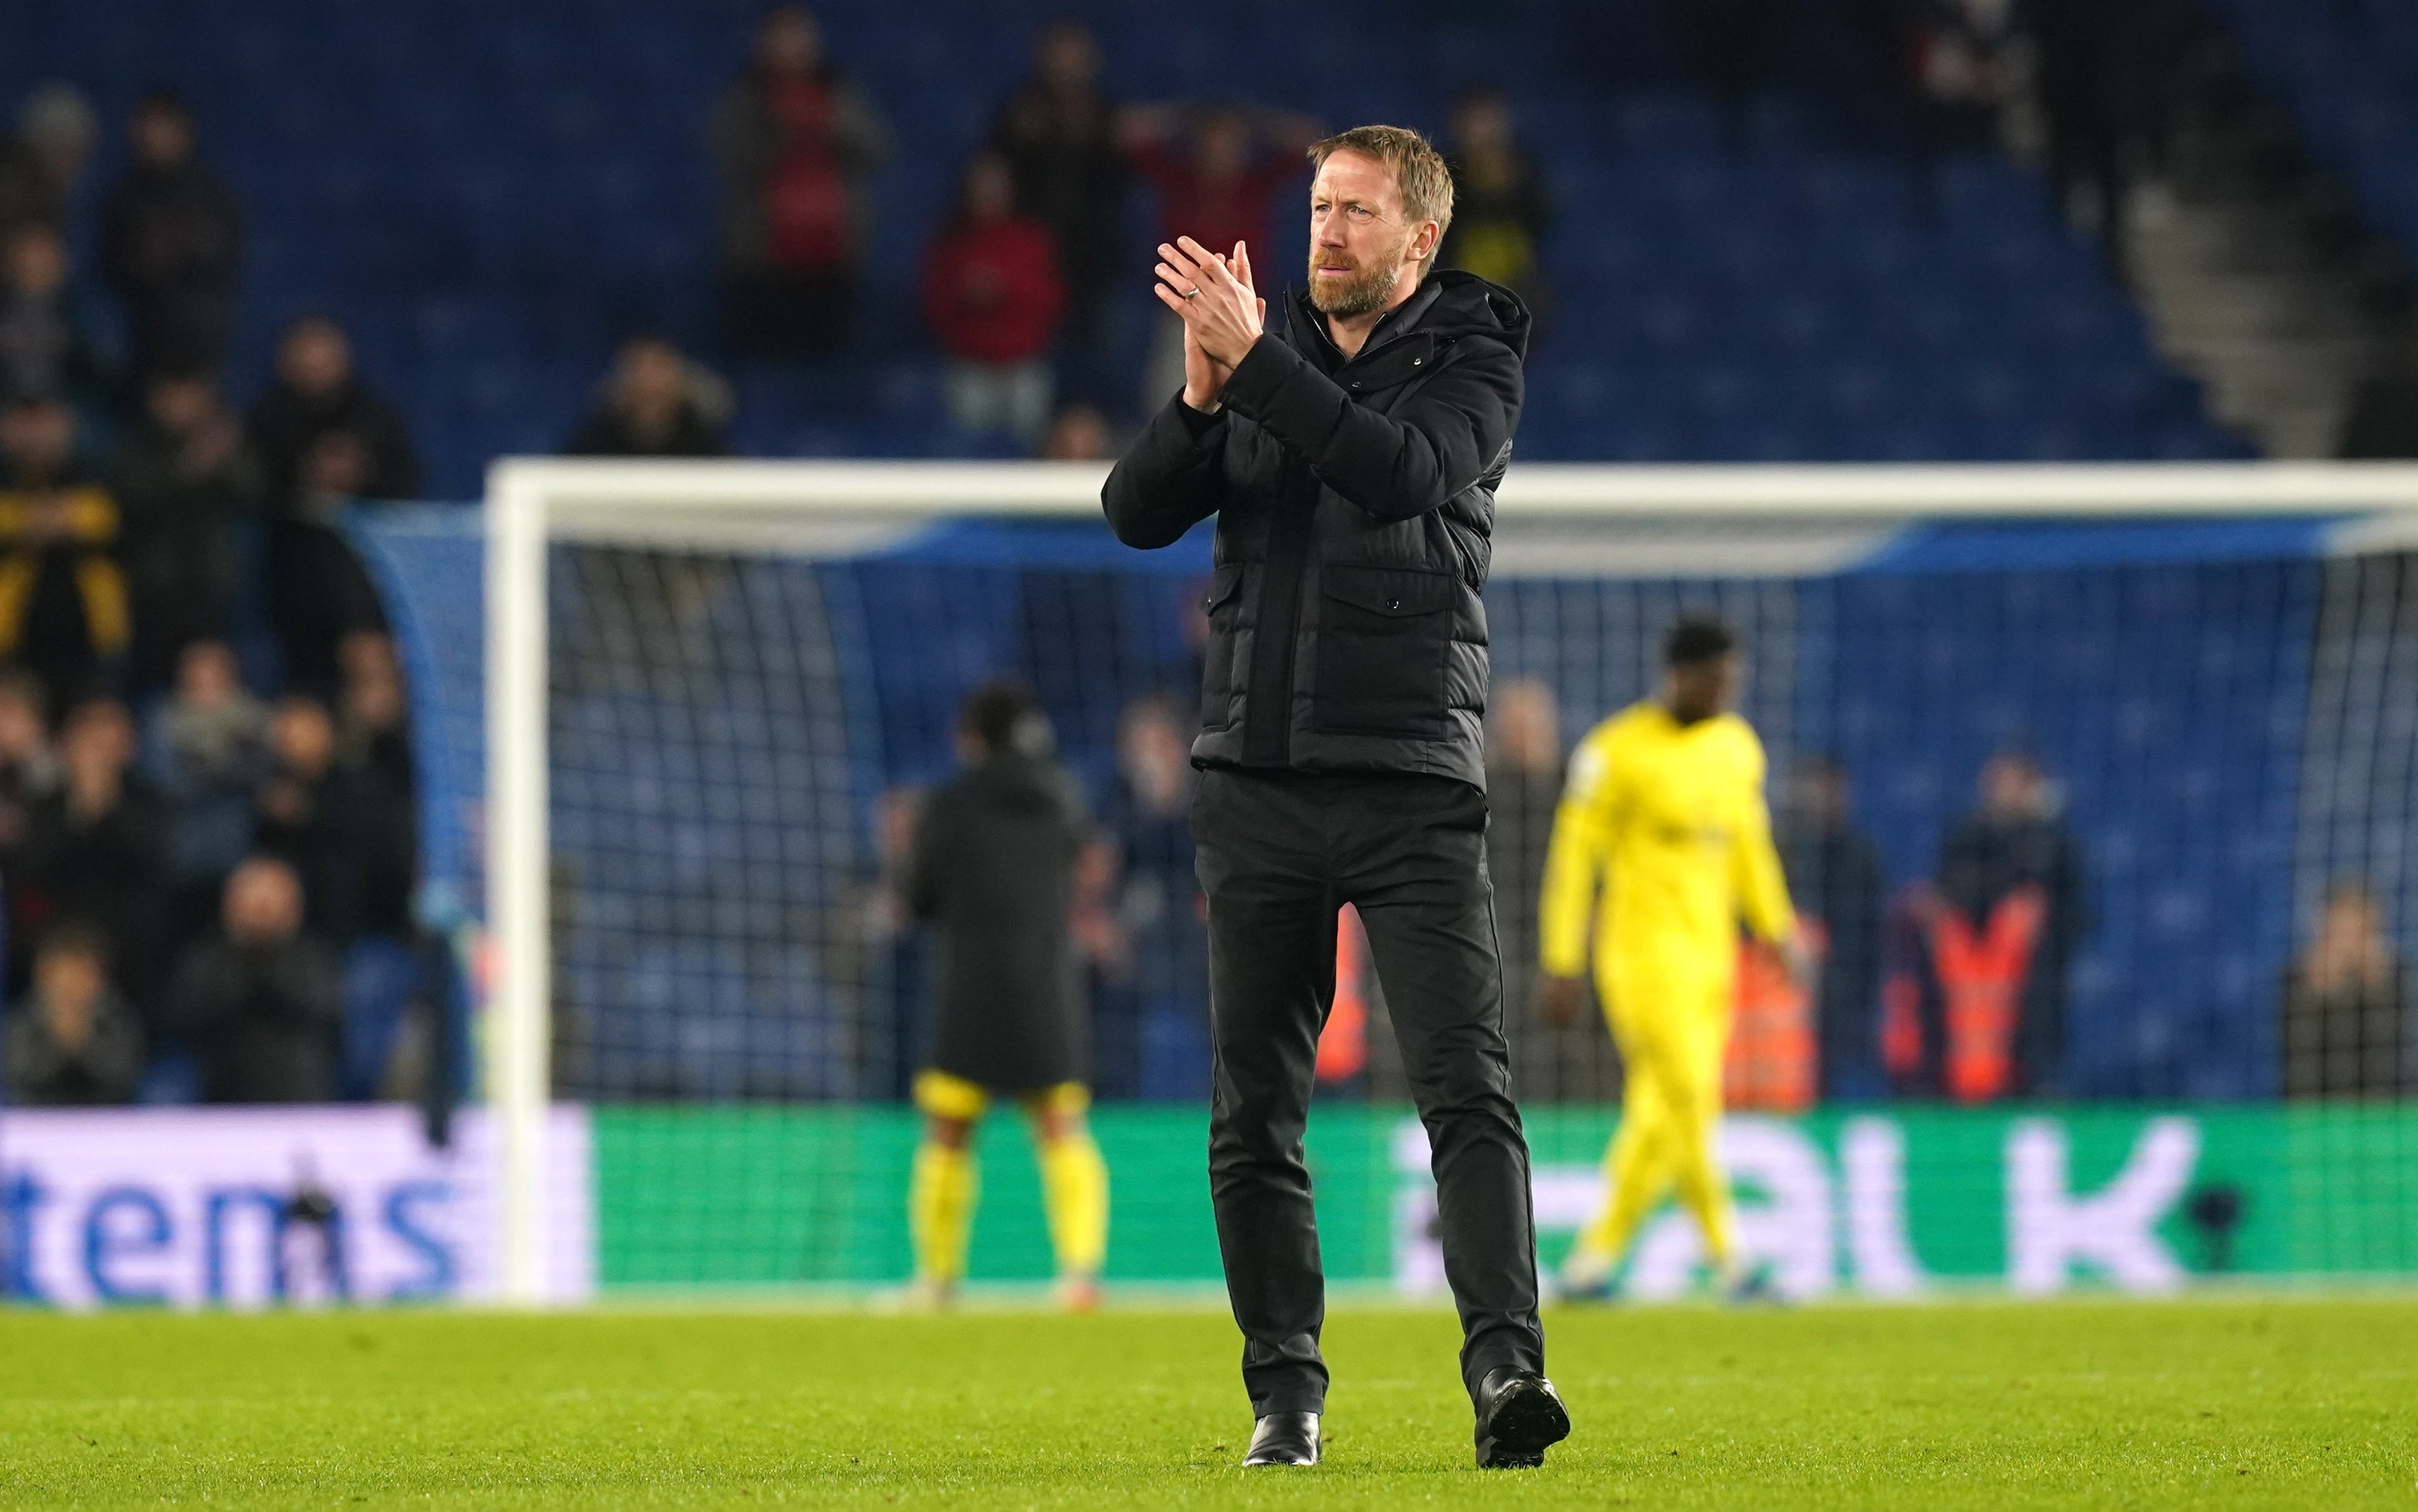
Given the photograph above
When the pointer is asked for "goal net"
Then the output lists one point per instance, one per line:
(2102, 782)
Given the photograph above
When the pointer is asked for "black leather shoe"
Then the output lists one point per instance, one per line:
(1284, 1439)
(1519, 1415)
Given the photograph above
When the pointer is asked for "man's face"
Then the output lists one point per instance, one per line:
(163, 138)
(206, 675)
(1527, 726)
(1482, 124)
(990, 192)
(317, 358)
(38, 262)
(263, 903)
(2010, 788)
(1359, 249)
(2348, 926)
(69, 982)
(180, 404)
(98, 737)
(22, 730)
(1066, 58)
(302, 736)
(1077, 434)
(789, 42)
(1701, 690)
(1222, 145)
(336, 466)
(38, 437)
(1817, 792)
(653, 381)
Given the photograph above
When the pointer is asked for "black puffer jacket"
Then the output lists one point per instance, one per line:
(1355, 503)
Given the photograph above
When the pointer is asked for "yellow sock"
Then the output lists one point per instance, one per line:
(940, 1210)
(1075, 1188)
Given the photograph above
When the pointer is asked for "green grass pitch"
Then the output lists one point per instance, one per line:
(2094, 1404)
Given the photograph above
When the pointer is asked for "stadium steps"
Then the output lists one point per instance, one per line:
(2275, 342)
(2243, 268)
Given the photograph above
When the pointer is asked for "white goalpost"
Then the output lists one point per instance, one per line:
(812, 510)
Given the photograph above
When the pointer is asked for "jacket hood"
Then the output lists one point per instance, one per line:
(1467, 305)
(1451, 303)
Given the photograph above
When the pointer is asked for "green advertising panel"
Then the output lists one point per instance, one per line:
(1874, 1202)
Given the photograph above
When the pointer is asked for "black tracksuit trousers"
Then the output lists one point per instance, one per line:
(1278, 853)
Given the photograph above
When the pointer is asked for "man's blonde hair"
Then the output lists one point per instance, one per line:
(1419, 172)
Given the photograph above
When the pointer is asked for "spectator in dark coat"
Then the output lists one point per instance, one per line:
(374, 768)
(317, 393)
(40, 163)
(657, 404)
(1161, 970)
(206, 753)
(94, 847)
(2014, 851)
(308, 815)
(63, 604)
(186, 481)
(172, 242)
(992, 295)
(1835, 880)
(1216, 172)
(1499, 206)
(49, 343)
(1059, 134)
(319, 591)
(1524, 787)
(2348, 1028)
(795, 146)
(72, 1041)
(259, 1002)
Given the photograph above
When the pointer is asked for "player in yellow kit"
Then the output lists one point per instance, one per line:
(1664, 821)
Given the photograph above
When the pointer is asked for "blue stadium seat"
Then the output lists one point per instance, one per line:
(381, 176)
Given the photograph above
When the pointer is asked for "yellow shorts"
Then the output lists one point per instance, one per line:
(954, 1098)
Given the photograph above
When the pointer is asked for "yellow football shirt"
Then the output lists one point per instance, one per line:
(1668, 822)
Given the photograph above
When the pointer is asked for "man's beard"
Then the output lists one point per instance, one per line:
(1363, 292)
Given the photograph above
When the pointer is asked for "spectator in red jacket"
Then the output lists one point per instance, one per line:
(993, 296)
(795, 146)
(1215, 185)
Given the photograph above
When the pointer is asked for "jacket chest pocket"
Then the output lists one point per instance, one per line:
(1220, 603)
(1385, 638)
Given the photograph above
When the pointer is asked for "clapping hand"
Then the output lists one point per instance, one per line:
(1221, 311)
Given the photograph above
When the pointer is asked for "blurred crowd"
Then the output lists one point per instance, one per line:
(1953, 986)
(1018, 279)
(207, 829)
(211, 899)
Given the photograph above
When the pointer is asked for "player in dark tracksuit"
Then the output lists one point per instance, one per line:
(992, 875)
